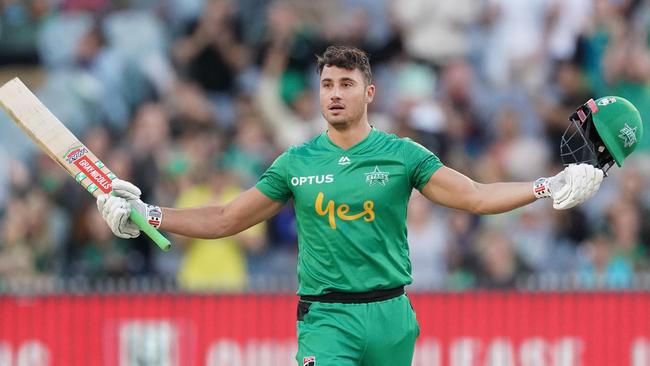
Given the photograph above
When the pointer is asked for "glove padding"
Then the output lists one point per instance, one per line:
(116, 208)
(574, 185)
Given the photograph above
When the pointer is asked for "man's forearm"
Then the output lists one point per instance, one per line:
(209, 222)
(452, 189)
(201, 222)
(502, 197)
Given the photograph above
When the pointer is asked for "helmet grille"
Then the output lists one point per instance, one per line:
(581, 143)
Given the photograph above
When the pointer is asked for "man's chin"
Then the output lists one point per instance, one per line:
(336, 118)
(338, 123)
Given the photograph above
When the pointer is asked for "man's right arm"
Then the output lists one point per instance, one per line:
(208, 222)
(249, 208)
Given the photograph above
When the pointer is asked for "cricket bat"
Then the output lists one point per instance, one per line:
(63, 147)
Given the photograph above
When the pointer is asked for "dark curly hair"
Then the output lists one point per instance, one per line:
(346, 57)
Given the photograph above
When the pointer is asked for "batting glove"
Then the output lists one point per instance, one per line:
(572, 186)
(116, 209)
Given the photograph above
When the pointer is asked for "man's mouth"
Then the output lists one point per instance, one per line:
(336, 107)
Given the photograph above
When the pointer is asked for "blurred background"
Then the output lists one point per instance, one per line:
(191, 100)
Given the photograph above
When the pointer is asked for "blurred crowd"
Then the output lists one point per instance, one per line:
(191, 100)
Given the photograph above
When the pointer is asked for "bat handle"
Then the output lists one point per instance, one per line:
(154, 234)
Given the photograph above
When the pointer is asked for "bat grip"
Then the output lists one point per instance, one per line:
(154, 234)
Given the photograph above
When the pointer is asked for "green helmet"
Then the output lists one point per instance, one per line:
(603, 132)
(618, 123)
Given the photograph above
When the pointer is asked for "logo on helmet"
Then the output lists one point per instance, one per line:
(606, 101)
(628, 134)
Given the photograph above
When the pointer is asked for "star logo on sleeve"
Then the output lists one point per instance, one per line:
(376, 177)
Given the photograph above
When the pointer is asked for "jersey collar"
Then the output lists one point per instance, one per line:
(359, 145)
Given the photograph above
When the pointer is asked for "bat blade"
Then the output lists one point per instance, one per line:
(51, 136)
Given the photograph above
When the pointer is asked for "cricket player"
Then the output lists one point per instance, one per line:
(350, 186)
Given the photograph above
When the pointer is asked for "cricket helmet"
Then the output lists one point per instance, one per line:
(601, 133)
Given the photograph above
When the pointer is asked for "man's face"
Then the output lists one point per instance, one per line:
(343, 95)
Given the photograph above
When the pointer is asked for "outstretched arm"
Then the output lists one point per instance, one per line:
(574, 185)
(249, 208)
(450, 188)
(208, 222)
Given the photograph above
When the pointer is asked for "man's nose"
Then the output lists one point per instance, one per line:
(336, 93)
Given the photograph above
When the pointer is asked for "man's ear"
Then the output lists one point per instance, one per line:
(370, 93)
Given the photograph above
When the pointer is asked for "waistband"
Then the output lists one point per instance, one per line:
(356, 297)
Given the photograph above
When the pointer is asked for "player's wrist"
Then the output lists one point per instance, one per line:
(151, 213)
(541, 188)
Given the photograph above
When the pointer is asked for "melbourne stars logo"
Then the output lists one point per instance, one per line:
(628, 134)
(376, 177)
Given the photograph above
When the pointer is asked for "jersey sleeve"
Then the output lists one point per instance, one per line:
(420, 162)
(273, 183)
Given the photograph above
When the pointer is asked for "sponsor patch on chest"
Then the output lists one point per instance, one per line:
(312, 179)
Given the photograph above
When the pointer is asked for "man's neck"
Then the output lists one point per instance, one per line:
(348, 137)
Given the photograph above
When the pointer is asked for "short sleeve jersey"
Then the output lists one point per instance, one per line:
(351, 209)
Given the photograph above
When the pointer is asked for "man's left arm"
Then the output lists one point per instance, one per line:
(574, 185)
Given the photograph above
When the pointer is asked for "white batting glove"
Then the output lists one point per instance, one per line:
(116, 212)
(116, 209)
(572, 186)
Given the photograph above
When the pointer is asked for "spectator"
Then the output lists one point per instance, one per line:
(515, 43)
(570, 89)
(625, 222)
(291, 27)
(436, 32)
(428, 240)
(19, 24)
(599, 268)
(506, 153)
(500, 266)
(532, 237)
(211, 53)
(248, 154)
(103, 70)
(463, 99)
(218, 264)
(16, 255)
(291, 124)
(462, 257)
(627, 70)
(632, 183)
(98, 253)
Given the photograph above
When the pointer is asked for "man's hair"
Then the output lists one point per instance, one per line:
(346, 57)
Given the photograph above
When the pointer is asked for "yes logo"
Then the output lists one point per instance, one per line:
(368, 214)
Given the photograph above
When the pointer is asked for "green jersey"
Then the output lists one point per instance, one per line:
(351, 209)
